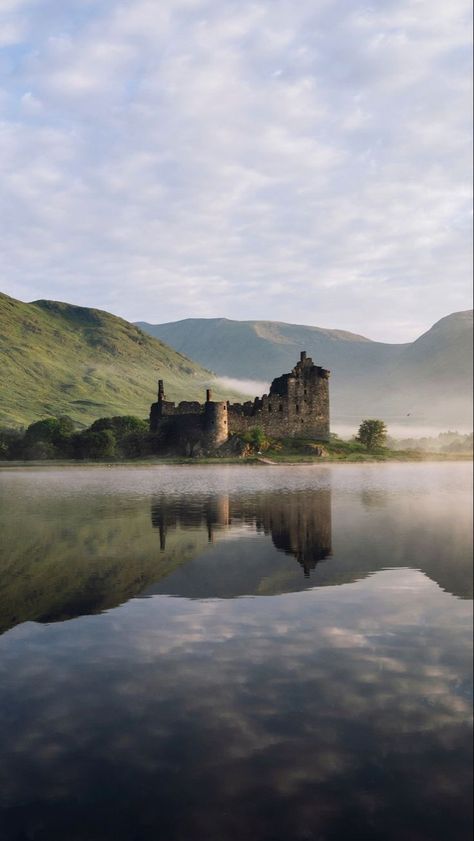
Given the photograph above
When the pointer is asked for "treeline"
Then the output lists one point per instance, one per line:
(445, 442)
(57, 438)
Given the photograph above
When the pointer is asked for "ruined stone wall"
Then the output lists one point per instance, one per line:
(300, 414)
(167, 409)
(190, 426)
(297, 406)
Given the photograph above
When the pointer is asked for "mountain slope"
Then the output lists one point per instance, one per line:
(62, 359)
(429, 380)
(263, 349)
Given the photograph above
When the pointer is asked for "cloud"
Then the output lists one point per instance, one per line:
(244, 160)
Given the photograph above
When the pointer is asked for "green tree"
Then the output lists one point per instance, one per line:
(372, 433)
(121, 425)
(39, 450)
(52, 435)
(131, 434)
(11, 443)
(43, 430)
(101, 445)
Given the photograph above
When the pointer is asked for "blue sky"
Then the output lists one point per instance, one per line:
(299, 161)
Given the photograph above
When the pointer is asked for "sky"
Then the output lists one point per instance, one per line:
(306, 161)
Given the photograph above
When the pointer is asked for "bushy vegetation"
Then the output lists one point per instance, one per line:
(257, 439)
(56, 438)
(127, 437)
(372, 434)
(302, 449)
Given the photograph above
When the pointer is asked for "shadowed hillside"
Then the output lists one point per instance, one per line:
(429, 380)
(62, 359)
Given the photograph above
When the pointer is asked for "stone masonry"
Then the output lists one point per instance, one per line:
(296, 406)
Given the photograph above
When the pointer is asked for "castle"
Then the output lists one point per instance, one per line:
(296, 406)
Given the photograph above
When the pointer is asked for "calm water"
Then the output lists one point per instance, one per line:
(233, 653)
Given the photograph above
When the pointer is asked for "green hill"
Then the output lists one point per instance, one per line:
(59, 359)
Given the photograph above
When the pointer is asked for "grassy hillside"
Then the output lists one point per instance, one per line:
(63, 359)
(428, 381)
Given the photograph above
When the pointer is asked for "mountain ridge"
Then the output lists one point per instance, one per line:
(430, 378)
(60, 358)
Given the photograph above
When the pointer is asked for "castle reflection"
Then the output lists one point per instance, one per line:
(299, 525)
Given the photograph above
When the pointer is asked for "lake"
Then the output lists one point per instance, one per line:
(237, 652)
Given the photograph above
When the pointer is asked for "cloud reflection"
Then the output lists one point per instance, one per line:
(330, 713)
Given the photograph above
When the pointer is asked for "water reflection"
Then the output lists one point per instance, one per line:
(333, 713)
(84, 551)
(299, 524)
(323, 712)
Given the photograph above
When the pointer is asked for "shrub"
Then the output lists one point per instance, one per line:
(372, 433)
(101, 445)
(257, 438)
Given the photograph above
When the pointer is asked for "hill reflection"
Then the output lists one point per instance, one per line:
(88, 550)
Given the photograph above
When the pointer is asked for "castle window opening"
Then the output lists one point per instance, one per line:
(269, 407)
(297, 408)
(280, 407)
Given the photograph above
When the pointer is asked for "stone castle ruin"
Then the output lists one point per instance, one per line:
(296, 406)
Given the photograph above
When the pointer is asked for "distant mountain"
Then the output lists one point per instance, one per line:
(429, 380)
(62, 359)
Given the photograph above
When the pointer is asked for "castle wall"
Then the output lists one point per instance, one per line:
(297, 406)
(282, 417)
(189, 426)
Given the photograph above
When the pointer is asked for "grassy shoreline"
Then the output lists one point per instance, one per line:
(268, 459)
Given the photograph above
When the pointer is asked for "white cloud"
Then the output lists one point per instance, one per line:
(304, 164)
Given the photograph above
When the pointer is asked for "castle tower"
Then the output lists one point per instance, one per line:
(216, 424)
(159, 409)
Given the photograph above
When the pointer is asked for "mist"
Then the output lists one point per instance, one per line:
(402, 430)
(249, 388)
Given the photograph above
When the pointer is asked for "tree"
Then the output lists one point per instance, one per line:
(372, 433)
(93, 445)
(43, 430)
(11, 441)
(121, 425)
(56, 433)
